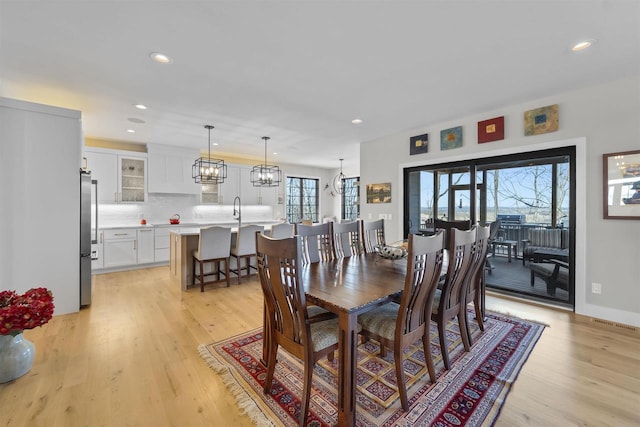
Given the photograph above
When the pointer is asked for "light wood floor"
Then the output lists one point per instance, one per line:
(131, 359)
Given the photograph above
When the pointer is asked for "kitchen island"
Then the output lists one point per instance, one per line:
(182, 242)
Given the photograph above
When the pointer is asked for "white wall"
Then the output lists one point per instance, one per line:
(598, 120)
(40, 192)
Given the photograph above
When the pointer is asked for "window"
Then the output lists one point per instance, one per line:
(302, 199)
(351, 198)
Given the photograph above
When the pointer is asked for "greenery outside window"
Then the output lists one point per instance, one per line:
(302, 199)
(351, 199)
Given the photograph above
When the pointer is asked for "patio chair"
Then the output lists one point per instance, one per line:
(555, 239)
(554, 273)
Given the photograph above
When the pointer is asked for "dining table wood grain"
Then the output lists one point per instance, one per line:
(348, 287)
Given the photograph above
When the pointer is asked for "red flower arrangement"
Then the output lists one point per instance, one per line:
(28, 311)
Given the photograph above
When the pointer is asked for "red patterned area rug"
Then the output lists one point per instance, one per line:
(470, 394)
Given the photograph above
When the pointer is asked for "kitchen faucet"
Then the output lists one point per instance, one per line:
(237, 211)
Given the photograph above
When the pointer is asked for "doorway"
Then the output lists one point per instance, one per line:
(532, 198)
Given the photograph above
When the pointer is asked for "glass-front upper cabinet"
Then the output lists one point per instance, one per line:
(122, 177)
(132, 179)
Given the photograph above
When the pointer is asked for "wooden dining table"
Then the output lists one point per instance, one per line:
(348, 287)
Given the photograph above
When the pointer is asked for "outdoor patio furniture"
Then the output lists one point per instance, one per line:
(555, 274)
(545, 238)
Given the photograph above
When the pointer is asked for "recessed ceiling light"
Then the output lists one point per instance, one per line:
(161, 58)
(131, 131)
(136, 120)
(584, 44)
(275, 154)
(356, 121)
(140, 106)
(214, 143)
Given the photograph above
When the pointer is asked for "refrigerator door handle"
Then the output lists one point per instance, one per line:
(94, 238)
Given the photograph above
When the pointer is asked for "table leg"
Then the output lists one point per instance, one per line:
(509, 245)
(348, 347)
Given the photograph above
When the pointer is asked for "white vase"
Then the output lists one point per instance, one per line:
(16, 357)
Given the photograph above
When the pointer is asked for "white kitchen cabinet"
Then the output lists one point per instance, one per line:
(267, 195)
(230, 188)
(170, 169)
(132, 179)
(104, 167)
(146, 247)
(161, 244)
(255, 195)
(121, 176)
(250, 195)
(120, 247)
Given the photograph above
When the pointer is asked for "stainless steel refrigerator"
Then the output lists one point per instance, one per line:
(88, 232)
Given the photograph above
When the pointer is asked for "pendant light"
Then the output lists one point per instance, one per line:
(338, 181)
(266, 175)
(208, 170)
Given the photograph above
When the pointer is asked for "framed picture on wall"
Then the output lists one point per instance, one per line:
(379, 193)
(491, 130)
(541, 120)
(621, 185)
(419, 144)
(451, 138)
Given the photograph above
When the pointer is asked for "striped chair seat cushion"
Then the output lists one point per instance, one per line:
(548, 238)
(381, 321)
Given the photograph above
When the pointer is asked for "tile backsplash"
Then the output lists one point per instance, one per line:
(159, 208)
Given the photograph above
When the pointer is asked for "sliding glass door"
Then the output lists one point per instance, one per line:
(532, 197)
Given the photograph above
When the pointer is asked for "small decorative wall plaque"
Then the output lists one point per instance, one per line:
(419, 144)
(541, 120)
(451, 138)
(491, 130)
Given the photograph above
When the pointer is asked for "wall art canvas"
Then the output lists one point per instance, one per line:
(541, 120)
(451, 138)
(419, 144)
(491, 130)
(379, 193)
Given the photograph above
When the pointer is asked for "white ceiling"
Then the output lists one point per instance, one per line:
(299, 72)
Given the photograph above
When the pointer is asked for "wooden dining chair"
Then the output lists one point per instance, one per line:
(447, 301)
(372, 234)
(245, 249)
(475, 287)
(213, 247)
(398, 325)
(347, 239)
(441, 224)
(287, 322)
(317, 242)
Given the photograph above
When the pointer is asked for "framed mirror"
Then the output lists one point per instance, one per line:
(621, 185)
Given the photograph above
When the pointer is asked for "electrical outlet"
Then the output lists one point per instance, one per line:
(596, 288)
(389, 217)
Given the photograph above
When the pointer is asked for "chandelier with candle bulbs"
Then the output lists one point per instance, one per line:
(206, 170)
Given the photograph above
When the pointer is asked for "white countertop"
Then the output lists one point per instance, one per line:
(195, 231)
(197, 225)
